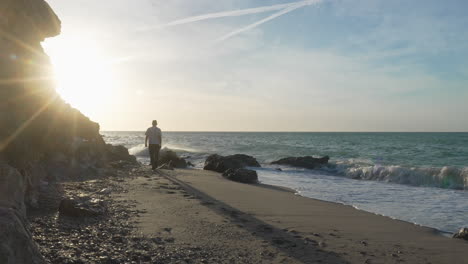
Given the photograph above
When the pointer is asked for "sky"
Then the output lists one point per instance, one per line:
(265, 65)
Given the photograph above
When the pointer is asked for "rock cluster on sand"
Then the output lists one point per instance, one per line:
(241, 175)
(105, 236)
(462, 234)
(306, 162)
(220, 163)
(233, 167)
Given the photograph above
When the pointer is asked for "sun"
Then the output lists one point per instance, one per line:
(82, 74)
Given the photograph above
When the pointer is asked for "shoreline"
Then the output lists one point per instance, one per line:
(379, 223)
(296, 192)
(197, 216)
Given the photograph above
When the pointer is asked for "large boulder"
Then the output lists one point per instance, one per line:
(241, 175)
(462, 234)
(119, 153)
(16, 243)
(167, 156)
(12, 188)
(221, 164)
(307, 162)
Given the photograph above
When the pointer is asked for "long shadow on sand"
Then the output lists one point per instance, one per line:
(302, 249)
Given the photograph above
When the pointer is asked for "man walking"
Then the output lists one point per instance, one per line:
(154, 135)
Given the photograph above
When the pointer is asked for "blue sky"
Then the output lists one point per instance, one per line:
(340, 65)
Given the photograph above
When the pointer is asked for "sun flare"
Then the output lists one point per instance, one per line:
(82, 74)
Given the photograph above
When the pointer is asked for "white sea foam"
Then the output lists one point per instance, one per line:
(442, 177)
(139, 151)
(142, 151)
(443, 209)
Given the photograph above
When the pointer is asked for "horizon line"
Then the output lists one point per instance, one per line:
(265, 131)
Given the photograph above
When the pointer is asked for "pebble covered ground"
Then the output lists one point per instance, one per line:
(113, 235)
(109, 238)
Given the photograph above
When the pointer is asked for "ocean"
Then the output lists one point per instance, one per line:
(416, 177)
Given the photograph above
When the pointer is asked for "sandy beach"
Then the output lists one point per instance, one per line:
(200, 217)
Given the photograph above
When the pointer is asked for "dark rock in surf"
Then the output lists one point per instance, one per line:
(307, 162)
(462, 234)
(167, 156)
(241, 175)
(219, 163)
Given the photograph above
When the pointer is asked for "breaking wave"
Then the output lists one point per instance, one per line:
(142, 151)
(443, 177)
(139, 151)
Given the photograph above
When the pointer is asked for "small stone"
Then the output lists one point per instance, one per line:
(462, 234)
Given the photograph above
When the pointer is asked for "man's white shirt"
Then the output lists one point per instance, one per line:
(154, 134)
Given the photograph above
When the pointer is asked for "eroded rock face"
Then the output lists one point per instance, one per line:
(27, 100)
(241, 175)
(307, 162)
(31, 12)
(42, 138)
(36, 123)
(221, 164)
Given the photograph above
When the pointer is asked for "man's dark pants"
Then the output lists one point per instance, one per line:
(154, 154)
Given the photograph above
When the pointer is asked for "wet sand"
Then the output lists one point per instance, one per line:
(261, 223)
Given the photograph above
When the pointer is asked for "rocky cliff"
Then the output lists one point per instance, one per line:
(42, 139)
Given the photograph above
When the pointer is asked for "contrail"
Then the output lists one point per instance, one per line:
(233, 13)
(286, 10)
(240, 12)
